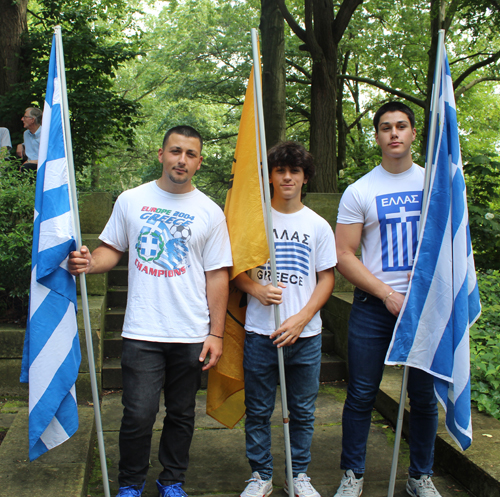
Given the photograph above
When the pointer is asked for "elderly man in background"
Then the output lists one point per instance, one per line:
(32, 121)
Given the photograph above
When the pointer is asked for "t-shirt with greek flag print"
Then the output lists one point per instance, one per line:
(388, 205)
(304, 245)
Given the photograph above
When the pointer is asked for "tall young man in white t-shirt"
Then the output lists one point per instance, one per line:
(381, 211)
(179, 252)
(305, 257)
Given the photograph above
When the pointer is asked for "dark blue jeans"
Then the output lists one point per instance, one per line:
(370, 331)
(145, 367)
(302, 368)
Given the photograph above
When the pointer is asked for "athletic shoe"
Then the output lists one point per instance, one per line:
(130, 491)
(302, 486)
(257, 487)
(423, 487)
(350, 486)
(174, 490)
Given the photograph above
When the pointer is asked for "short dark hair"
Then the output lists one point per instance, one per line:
(291, 153)
(36, 114)
(393, 107)
(186, 131)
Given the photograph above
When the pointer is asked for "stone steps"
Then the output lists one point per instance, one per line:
(333, 367)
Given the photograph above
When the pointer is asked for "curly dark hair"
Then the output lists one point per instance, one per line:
(291, 153)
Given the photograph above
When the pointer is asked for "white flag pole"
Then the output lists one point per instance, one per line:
(270, 241)
(425, 195)
(83, 282)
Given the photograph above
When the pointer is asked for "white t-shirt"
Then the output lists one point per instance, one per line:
(388, 205)
(5, 138)
(172, 240)
(304, 245)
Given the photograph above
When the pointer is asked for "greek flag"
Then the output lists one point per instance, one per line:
(51, 356)
(432, 332)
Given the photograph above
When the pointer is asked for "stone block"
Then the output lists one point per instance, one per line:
(341, 284)
(324, 204)
(60, 471)
(10, 371)
(95, 209)
(335, 316)
(11, 342)
(84, 388)
(96, 310)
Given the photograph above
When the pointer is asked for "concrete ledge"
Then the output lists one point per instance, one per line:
(477, 468)
(61, 471)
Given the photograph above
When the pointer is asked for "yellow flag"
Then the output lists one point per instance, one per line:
(245, 222)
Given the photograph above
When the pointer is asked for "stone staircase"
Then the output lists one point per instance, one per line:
(332, 366)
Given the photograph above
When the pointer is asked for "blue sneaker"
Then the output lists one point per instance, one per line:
(130, 491)
(174, 490)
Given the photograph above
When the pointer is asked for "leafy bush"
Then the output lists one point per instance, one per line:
(485, 347)
(17, 201)
(481, 174)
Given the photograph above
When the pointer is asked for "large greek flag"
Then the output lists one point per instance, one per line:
(51, 355)
(432, 332)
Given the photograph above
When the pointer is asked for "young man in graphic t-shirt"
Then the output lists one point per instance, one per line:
(179, 253)
(381, 211)
(305, 257)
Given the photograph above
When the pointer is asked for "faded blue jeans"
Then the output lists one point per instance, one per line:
(371, 327)
(302, 368)
(145, 368)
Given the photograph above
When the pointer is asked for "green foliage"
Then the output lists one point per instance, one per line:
(17, 201)
(485, 347)
(94, 46)
(483, 192)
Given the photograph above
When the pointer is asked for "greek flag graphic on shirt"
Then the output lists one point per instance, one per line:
(399, 218)
(291, 257)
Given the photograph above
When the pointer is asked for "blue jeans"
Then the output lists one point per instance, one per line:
(371, 327)
(302, 367)
(145, 368)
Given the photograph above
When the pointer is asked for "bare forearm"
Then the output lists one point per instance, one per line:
(217, 297)
(244, 283)
(321, 294)
(104, 258)
(356, 273)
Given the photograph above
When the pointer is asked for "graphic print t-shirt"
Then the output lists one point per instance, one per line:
(304, 245)
(172, 241)
(388, 205)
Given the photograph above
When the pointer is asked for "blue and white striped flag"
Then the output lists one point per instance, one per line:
(432, 332)
(51, 356)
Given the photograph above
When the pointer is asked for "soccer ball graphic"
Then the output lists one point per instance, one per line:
(180, 232)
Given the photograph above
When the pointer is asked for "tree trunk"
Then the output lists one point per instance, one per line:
(323, 132)
(273, 74)
(13, 23)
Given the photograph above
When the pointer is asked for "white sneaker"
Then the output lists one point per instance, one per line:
(350, 486)
(257, 487)
(423, 487)
(302, 486)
